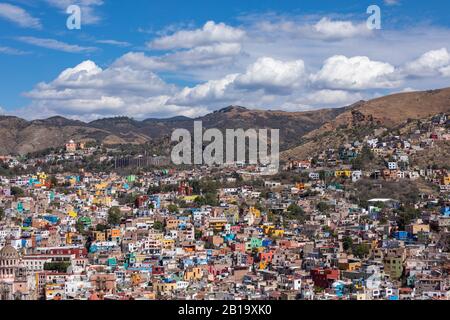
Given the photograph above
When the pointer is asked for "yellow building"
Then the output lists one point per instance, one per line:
(69, 238)
(268, 229)
(158, 236)
(349, 265)
(42, 177)
(189, 199)
(417, 228)
(140, 258)
(343, 173)
(102, 200)
(217, 223)
(72, 214)
(361, 296)
(262, 265)
(255, 212)
(168, 244)
(136, 279)
(300, 186)
(172, 224)
(162, 287)
(193, 274)
(54, 291)
(446, 180)
(73, 181)
(99, 236)
(277, 233)
(101, 186)
(271, 231)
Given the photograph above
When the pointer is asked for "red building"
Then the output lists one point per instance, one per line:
(324, 278)
(140, 201)
(78, 252)
(157, 270)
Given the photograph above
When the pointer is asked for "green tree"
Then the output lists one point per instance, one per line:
(271, 216)
(60, 267)
(79, 226)
(200, 201)
(2, 213)
(114, 216)
(196, 188)
(173, 208)
(405, 215)
(347, 243)
(101, 227)
(209, 186)
(154, 190)
(18, 192)
(198, 234)
(295, 212)
(361, 250)
(211, 199)
(53, 181)
(364, 159)
(158, 225)
(323, 207)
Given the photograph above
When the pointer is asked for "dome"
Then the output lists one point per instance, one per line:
(8, 252)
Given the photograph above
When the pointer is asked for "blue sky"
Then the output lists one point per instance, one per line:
(165, 58)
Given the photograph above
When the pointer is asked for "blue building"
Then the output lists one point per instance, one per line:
(401, 235)
(52, 219)
(445, 211)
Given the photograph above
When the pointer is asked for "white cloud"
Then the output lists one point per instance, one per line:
(211, 91)
(332, 97)
(130, 87)
(356, 73)
(198, 57)
(55, 45)
(445, 71)
(329, 29)
(429, 64)
(87, 91)
(127, 88)
(211, 33)
(204, 55)
(324, 29)
(392, 2)
(19, 16)
(272, 76)
(87, 79)
(12, 51)
(88, 8)
(140, 60)
(114, 43)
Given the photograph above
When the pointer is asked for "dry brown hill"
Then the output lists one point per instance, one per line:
(22, 137)
(301, 133)
(388, 112)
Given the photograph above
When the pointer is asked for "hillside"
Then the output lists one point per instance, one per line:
(302, 133)
(22, 137)
(369, 117)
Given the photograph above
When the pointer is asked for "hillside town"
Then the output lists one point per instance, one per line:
(369, 220)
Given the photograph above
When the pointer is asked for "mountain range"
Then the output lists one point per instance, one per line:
(300, 132)
(22, 137)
